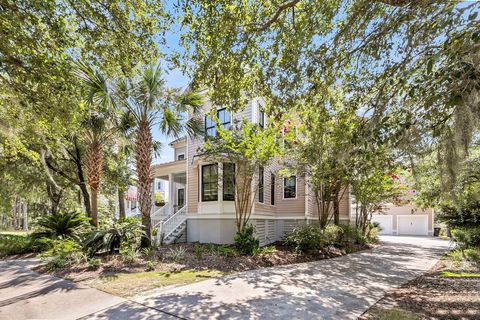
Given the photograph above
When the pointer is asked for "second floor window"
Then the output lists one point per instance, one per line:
(224, 118)
(228, 181)
(261, 119)
(181, 157)
(272, 189)
(260, 184)
(290, 187)
(210, 182)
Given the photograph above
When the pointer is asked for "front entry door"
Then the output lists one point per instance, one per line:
(180, 198)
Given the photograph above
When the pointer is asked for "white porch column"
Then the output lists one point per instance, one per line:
(171, 191)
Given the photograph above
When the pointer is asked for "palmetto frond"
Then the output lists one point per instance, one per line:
(189, 102)
(194, 127)
(99, 93)
(171, 123)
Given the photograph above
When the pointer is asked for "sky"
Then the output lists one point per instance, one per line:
(177, 80)
(174, 79)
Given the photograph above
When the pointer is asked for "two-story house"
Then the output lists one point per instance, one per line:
(201, 193)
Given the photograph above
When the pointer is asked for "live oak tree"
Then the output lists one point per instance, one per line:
(41, 99)
(409, 65)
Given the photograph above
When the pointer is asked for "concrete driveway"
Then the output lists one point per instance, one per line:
(340, 288)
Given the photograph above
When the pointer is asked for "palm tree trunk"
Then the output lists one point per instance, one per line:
(94, 167)
(94, 196)
(143, 158)
(121, 203)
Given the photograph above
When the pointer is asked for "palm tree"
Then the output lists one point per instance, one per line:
(100, 124)
(150, 103)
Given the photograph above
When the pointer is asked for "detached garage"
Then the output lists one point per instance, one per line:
(385, 223)
(412, 225)
(405, 220)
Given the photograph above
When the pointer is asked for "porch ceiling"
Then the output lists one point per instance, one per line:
(162, 170)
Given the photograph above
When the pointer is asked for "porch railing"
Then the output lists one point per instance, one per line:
(166, 227)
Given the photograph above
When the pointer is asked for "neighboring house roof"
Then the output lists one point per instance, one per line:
(181, 139)
(131, 194)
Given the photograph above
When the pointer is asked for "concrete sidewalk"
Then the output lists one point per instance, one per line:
(25, 294)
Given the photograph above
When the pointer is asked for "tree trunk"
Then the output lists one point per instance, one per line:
(121, 203)
(94, 220)
(25, 217)
(336, 203)
(143, 158)
(54, 195)
(81, 179)
(94, 168)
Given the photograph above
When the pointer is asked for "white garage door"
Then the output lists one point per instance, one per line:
(412, 225)
(385, 221)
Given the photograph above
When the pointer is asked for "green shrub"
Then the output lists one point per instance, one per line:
(333, 235)
(305, 238)
(472, 255)
(18, 244)
(94, 263)
(150, 266)
(62, 253)
(467, 237)
(227, 251)
(465, 215)
(264, 250)
(176, 254)
(61, 225)
(124, 233)
(198, 251)
(373, 230)
(129, 254)
(352, 234)
(245, 240)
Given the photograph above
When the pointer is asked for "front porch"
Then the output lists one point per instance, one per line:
(170, 219)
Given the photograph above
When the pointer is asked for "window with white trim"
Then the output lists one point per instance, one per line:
(209, 182)
(228, 181)
(290, 187)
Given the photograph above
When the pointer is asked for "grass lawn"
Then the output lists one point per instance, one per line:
(129, 284)
(15, 233)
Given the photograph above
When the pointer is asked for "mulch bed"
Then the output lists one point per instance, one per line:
(209, 260)
(432, 296)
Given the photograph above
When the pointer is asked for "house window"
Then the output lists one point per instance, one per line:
(181, 157)
(224, 118)
(260, 184)
(228, 181)
(261, 119)
(290, 187)
(210, 182)
(272, 189)
(159, 185)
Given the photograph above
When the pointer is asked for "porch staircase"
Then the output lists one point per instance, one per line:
(170, 224)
